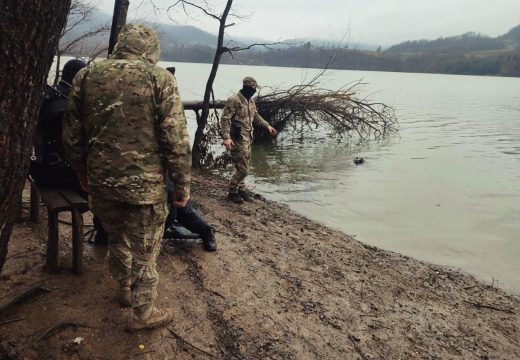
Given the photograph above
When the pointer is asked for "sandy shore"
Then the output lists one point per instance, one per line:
(279, 287)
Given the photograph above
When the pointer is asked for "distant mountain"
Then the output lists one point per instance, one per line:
(316, 42)
(469, 53)
(513, 35)
(184, 35)
(465, 43)
(173, 36)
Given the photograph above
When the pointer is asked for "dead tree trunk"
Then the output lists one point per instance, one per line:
(29, 34)
(118, 21)
(202, 121)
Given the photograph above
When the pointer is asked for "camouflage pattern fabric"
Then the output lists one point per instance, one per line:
(125, 127)
(135, 233)
(125, 130)
(241, 158)
(242, 112)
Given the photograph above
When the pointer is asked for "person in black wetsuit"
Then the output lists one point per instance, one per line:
(49, 166)
(190, 219)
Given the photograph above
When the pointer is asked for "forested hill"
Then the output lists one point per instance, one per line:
(468, 54)
(513, 35)
(469, 42)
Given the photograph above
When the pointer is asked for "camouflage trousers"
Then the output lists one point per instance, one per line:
(134, 233)
(241, 158)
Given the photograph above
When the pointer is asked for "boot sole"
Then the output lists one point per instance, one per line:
(134, 326)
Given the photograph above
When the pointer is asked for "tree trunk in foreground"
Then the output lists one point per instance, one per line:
(118, 21)
(29, 34)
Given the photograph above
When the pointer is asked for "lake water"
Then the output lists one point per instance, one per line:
(445, 190)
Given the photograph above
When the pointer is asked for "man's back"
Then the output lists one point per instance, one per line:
(124, 131)
(124, 103)
(120, 125)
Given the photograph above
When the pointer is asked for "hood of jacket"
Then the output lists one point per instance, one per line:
(137, 42)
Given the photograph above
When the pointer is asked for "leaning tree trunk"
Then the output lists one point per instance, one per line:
(202, 120)
(29, 34)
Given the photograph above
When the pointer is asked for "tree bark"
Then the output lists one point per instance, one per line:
(29, 34)
(118, 21)
(202, 121)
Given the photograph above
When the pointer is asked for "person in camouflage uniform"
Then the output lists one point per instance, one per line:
(125, 130)
(236, 128)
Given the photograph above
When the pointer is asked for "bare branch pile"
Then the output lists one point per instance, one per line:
(305, 108)
(339, 111)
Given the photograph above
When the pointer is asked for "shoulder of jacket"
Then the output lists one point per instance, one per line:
(52, 93)
(162, 75)
(234, 98)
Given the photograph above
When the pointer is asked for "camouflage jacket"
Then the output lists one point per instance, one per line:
(242, 112)
(125, 128)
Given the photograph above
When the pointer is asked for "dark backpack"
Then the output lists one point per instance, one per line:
(49, 166)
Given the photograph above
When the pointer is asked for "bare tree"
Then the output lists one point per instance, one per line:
(199, 142)
(29, 34)
(301, 106)
(202, 117)
(72, 43)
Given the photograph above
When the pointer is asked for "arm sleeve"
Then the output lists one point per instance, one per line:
(260, 121)
(73, 135)
(225, 119)
(173, 137)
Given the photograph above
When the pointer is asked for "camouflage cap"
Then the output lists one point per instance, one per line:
(250, 81)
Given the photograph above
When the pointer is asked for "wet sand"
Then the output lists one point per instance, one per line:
(279, 287)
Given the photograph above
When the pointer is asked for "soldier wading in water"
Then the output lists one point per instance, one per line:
(236, 128)
(124, 132)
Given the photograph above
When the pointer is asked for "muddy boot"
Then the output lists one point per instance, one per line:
(234, 197)
(209, 243)
(125, 295)
(151, 319)
(246, 195)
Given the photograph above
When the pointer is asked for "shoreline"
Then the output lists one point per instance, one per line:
(456, 267)
(280, 286)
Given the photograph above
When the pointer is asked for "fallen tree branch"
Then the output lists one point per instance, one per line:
(30, 292)
(354, 341)
(491, 307)
(57, 326)
(188, 343)
(19, 254)
(340, 110)
(12, 320)
(304, 108)
(196, 273)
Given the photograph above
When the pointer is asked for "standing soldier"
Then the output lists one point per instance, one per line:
(124, 132)
(236, 128)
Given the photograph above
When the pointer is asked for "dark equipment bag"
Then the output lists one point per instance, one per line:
(49, 166)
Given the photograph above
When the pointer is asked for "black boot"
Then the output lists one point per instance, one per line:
(234, 197)
(209, 243)
(246, 195)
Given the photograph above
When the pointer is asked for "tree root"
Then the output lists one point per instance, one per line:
(30, 292)
(188, 343)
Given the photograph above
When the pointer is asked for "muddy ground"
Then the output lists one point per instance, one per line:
(279, 287)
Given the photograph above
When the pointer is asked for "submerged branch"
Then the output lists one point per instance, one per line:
(338, 110)
(307, 107)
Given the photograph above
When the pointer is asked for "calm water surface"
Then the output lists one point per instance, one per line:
(446, 190)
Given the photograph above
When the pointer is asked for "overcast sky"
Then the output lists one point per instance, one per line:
(379, 22)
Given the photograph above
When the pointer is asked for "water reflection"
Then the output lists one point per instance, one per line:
(300, 160)
(446, 191)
